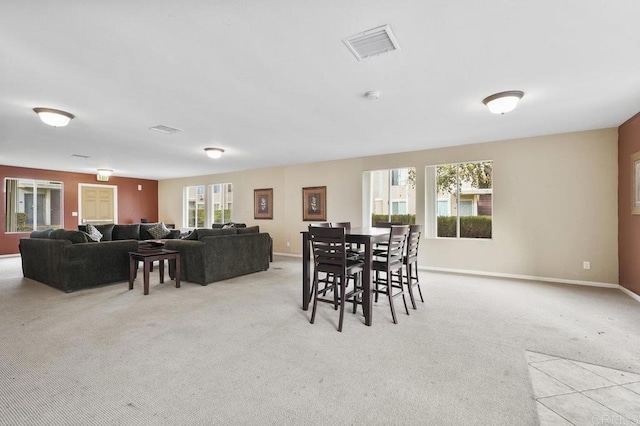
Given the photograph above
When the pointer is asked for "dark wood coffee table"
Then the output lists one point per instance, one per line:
(147, 257)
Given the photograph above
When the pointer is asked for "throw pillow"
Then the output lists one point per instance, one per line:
(159, 231)
(93, 233)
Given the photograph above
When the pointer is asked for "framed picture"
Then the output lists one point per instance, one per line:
(314, 203)
(635, 183)
(263, 203)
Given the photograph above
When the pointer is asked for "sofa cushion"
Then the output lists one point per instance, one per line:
(126, 232)
(74, 236)
(93, 233)
(106, 230)
(193, 235)
(157, 232)
(46, 233)
(215, 232)
(227, 225)
(249, 230)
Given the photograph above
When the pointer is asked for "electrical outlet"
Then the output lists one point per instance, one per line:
(586, 264)
(288, 244)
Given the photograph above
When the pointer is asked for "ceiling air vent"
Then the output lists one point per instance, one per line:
(372, 42)
(165, 129)
(79, 156)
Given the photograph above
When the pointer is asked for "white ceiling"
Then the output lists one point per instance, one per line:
(272, 83)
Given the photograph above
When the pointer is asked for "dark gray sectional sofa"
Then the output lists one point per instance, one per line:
(71, 264)
(66, 260)
(209, 255)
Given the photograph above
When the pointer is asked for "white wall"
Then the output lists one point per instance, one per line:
(555, 204)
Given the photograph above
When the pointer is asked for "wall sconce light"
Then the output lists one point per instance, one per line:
(502, 102)
(103, 174)
(54, 117)
(214, 152)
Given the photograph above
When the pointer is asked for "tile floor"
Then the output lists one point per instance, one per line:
(569, 392)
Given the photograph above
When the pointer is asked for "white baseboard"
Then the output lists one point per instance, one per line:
(287, 254)
(630, 293)
(520, 277)
(533, 278)
(9, 255)
(513, 276)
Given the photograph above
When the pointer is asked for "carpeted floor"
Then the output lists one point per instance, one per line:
(243, 352)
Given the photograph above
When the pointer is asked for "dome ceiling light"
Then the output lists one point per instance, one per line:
(502, 102)
(54, 117)
(214, 152)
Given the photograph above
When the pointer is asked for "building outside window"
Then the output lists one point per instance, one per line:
(209, 204)
(459, 200)
(390, 196)
(222, 202)
(194, 206)
(33, 205)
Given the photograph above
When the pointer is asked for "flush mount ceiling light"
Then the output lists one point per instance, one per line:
(372, 95)
(54, 117)
(214, 152)
(105, 172)
(502, 102)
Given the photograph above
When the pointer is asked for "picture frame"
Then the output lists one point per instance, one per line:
(635, 183)
(263, 203)
(314, 203)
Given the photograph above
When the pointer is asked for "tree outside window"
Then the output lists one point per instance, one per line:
(464, 199)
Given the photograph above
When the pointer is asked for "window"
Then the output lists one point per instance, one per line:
(389, 196)
(222, 201)
(194, 206)
(443, 207)
(205, 206)
(460, 200)
(399, 207)
(33, 205)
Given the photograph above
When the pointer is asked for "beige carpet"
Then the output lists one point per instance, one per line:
(243, 352)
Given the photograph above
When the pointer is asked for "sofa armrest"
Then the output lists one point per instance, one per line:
(191, 259)
(89, 264)
(234, 255)
(42, 260)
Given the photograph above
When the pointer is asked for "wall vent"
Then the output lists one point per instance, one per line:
(165, 129)
(372, 42)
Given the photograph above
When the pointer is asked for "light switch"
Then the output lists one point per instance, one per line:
(74, 213)
(139, 187)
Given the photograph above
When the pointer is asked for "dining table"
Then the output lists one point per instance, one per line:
(364, 236)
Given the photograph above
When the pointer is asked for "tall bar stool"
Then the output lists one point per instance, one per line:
(410, 262)
(390, 262)
(327, 277)
(329, 249)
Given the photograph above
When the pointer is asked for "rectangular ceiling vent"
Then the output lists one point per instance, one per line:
(165, 129)
(372, 42)
(79, 156)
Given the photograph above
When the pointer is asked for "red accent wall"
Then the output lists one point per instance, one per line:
(628, 224)
(132, 204)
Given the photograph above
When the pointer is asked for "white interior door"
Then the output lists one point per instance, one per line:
(97, 204)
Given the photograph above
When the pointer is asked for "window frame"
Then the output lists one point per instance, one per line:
(432, 199)
(34, 185)
(209, 193)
